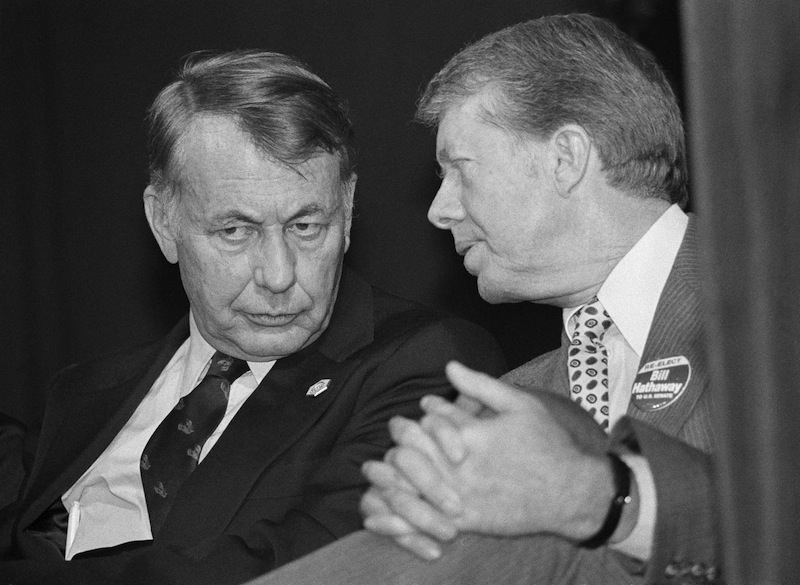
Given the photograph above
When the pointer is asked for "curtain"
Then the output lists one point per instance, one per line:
(742, 75)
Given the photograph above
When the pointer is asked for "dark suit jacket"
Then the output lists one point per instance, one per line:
(284, 477)
(674, 439)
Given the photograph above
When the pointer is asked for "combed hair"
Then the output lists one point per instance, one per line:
(290, 113)
(575, 69)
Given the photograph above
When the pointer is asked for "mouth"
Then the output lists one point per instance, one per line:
(271, 319)
(462, 248)
(471, 260)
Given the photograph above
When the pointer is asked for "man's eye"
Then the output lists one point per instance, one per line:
(306, 231)
(236, 233)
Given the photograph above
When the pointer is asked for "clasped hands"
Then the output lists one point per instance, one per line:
(499, 461)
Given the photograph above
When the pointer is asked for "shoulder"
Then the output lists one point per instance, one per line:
(406, 354)
(380, 329)
(431, 334)
(396, 316)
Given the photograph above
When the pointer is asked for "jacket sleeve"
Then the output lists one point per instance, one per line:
(686, 545)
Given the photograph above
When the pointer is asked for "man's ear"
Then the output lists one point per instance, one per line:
(161, 223)
(348, 195)
(572, 148)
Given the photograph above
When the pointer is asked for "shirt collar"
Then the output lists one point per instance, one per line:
(200, 352)
(632, 290)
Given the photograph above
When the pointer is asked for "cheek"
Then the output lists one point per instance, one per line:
(210, 281)
(317, 274)
(481, 207)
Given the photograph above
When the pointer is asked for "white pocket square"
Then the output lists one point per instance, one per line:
(318, 388)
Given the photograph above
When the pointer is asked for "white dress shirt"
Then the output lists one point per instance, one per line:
(630, 295)
(107, 505)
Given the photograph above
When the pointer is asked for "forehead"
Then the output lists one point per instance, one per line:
(218, 160)
(464, 131)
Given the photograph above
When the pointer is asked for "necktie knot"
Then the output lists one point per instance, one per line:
(226, 367)
(591, 321)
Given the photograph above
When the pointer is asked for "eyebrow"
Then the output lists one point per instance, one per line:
(310, 209)
(444, 157)
(233, 215)
(306, 210)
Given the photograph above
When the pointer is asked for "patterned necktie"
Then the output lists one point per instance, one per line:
(588, 361)
(172, 453)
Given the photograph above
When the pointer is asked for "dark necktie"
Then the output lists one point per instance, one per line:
(172, 453)
(588, 361)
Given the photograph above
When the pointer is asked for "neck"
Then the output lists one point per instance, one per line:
(612, 223)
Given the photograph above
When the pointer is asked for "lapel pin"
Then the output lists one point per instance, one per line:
(660, 383)
(318, 388)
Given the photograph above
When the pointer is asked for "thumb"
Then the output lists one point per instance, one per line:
(482, 388)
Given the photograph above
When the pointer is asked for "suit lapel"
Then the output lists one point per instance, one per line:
(101, 411)
(677, 332)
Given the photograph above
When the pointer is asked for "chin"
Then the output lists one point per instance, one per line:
(277, 345)
(495, 294)
(489, 293)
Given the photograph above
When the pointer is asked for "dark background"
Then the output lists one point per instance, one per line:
(81, 274)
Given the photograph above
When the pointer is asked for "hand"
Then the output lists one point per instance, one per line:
(426, 446)
(422, 524)
(535, 465)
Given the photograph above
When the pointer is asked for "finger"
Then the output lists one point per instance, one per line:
(437, 405)
(389, 525)
(395, 527)
(373, 504)
(469, 404)
(408, 433)
(429, 482)
(488, 391)
(447, 437)
(420, 514)
(420, 545)
(379, 518)
(385, 476)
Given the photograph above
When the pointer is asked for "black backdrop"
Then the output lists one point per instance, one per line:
(80, 272)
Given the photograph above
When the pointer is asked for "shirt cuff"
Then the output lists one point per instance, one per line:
(639, 543)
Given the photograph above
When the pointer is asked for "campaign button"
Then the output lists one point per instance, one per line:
(660, 382)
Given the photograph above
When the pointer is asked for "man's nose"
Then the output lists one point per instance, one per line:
(273, 264)
(446, 209)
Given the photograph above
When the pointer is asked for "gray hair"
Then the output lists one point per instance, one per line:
(289, 112)
(575, 69)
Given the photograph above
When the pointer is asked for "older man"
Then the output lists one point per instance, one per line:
(563, 177)
(235, 444)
